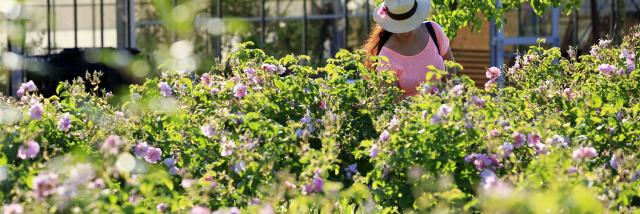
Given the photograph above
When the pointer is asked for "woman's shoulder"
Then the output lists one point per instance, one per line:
(434, 24)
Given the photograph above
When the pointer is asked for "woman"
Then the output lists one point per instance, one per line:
(410, 43)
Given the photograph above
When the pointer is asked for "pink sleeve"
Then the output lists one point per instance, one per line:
(443, 40)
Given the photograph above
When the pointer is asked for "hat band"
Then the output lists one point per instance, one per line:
(404, 16)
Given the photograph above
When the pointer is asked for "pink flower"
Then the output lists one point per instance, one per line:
(111, 145)
(29, 150)
(606, 69)
(533, 139)
(153, 155)
(518, 139)
(584, 153)
(323, 104)
(200, 210)
(141, 149)
(165, 89)
(373, 152)
(269, 68)
(45, 184)
(119, 115)
(489, 84)
(384, 137)
(12, 209)
(206, 79)
(240, 90)
(36, 111)
(383, 11)
(494, 133)
(493, 73)
(162, 207)
(569, 94)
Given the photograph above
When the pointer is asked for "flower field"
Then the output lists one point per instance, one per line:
(265, 135)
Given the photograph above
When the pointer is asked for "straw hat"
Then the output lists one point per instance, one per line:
(401, 16)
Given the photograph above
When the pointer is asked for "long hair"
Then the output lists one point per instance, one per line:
(376, 40)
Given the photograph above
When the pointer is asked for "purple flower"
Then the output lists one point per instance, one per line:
(281, 69)
(29, 150)
(227, 148)
(482, 161)
(318, 183)
(384, 137)
(240, 90)
(558, 140)
(584, 153)
(141, 149)
(478, 101)
(26, 87)
(239, 167)
(443, 111)
(613, 163)
(153, 155)
(518, 139)
(507, 149)
(488, 179)
(619, 115)
(36, 111)
(373, 152)
(169, 162)
(572, 170)
(604, 42)
(173, 170)
(351, 169)
(111, 145)
(12, 209)
(250, 72)
(457, 90)
(162, 207)
(493, 73)
(540, 148)
(45, 184)
(207, 131)
(165, 89)
(607, 69)
(200, 210)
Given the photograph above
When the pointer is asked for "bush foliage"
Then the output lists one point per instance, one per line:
(260, 134)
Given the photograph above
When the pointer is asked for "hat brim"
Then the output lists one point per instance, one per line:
(403, 26)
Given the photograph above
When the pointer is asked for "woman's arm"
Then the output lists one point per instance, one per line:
(449, 56)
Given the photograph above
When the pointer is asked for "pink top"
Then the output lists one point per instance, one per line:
(411, 70)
